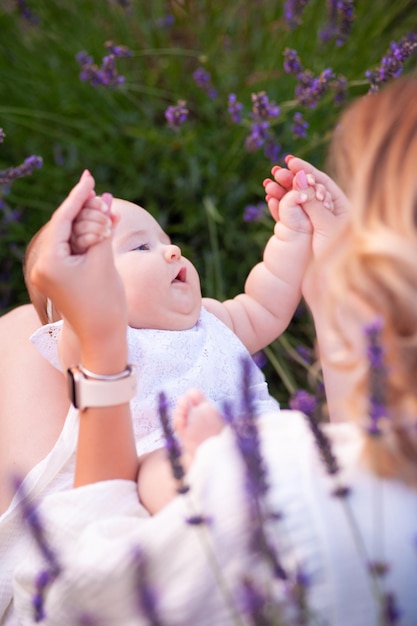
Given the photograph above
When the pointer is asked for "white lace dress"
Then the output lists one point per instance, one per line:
(207, 356)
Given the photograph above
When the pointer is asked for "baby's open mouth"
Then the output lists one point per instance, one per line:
(181, 276)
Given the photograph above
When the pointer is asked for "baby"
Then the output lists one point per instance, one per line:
(177, 339)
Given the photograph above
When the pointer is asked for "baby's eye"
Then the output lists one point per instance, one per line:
(143, 246)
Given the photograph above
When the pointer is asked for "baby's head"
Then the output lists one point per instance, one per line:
(162, 287)
(44, 308)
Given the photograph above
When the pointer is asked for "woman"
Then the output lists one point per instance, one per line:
(334, 542)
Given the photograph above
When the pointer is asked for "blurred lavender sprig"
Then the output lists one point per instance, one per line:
(235, 108)
(10, 174)
(146, 595)
(34, 522)
(203, 80)
(340, 20)
(171, 444)
(310, 88)
(299, 126)
(26, 12)
(263, 110)
(177, 114)
(293, 10)
(393, 62)
(107, 74)
(377, 375)
(255, 212)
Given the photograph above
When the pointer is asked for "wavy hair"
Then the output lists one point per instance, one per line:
(373, 157)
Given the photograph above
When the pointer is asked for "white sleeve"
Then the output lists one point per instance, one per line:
(195, 571)
(97, 530)
(45, 339)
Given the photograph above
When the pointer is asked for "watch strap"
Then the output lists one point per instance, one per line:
(93, 393)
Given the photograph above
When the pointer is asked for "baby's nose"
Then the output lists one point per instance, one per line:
(172, 252)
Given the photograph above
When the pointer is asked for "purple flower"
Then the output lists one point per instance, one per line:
(118, 51)
(300, 126)
(145, 594)
(257, 137)
(260, 357)
(392, 63)
(292, 63)
(272, 149)
(166, 21)
(176, 115)
(310, 88)
(304, 402)
(293, 12)
(203, 80)
(235, 108)
(339, 87)
(10, 174)
(392, 612)
(25, 12)
(253, 603)
(171, 444)
(253, 213)
(262, 108)
(107, 74)
(339, 21)
(377, 375)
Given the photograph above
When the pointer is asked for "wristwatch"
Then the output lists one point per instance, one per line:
(89, 390)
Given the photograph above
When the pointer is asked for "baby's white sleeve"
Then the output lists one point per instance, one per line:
(45, 339)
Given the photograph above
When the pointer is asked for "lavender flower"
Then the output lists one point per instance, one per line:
(262, 108)
(257, 137)
(254, 603)
(25, 12)
(304, 402)
(118, 51)
(300, 126)
(339, 22)
(310, 88)
(146, 596)
(166, 21)
(292, 63)
(31, 517)
(171, 444)
(107, 74)
(392, 63)
(176, 115)
(10, 174)
(293, 12)
(392, 612)
(377, 376)
(203, 80)
(339, 87)
(254, 212)
(235, 108)
(272, 149)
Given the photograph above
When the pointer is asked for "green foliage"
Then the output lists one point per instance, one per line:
(198, 179)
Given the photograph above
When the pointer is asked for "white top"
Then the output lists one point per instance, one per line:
(207, 356)
(96, 528)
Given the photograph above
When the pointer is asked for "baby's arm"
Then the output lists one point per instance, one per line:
(273, 287)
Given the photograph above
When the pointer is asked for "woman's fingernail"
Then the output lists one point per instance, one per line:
(288, 158)
(301, 180)
(266, 181)
(275, 169)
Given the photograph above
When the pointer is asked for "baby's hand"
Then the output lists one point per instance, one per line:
(287, 207)
(92, 224)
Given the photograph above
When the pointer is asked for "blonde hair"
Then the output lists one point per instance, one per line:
(44, 307)
(373, 157)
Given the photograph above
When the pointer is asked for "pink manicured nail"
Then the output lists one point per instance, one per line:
(266, 181)
(275, 169)
(301, 180)
(107, 199)
(288, 158)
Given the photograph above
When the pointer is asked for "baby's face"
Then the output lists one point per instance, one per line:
(162, 287)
